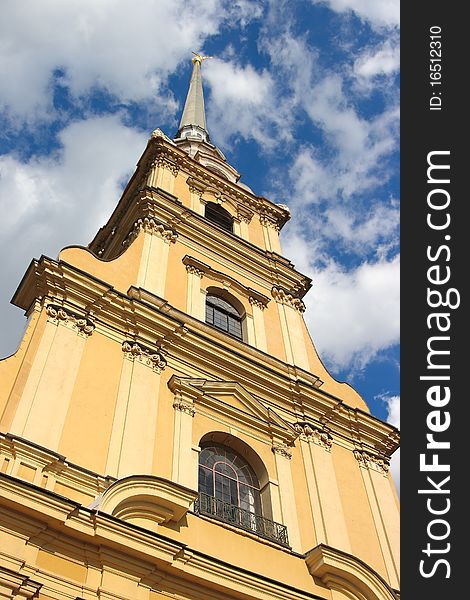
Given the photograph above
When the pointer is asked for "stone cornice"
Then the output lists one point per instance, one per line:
(122, 545)
(205, 270)
(157, 206)
(52, 464)
(339, 570)
(254, 415)
(150, 320)
(207, 178)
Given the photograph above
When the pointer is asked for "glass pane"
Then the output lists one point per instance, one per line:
(209, 314)
(220, 320)
(223, 304)
(234, 327)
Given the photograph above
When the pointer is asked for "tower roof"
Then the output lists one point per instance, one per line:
(194, 115)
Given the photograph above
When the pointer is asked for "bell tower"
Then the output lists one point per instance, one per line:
(167, 427)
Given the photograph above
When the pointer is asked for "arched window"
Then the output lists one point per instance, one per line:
(224, 475)
(229, 491)
(218, 215)
(222, 315)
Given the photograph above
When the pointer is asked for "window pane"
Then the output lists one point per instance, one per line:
(209, 314)
(234, 327)
(220, 320)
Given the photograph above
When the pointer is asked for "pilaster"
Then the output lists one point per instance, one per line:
(135, 418)
(44, 403)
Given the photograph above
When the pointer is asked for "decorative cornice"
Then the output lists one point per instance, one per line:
(310, 433)
(146, 356)
(186, 407)
(282, 449)
(59, 316)
(226, 280)
(285, 297)
(377, 463)
(18, 585)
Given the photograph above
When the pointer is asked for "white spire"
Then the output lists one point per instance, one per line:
(193, 120)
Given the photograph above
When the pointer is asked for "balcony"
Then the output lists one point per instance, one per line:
(243, 519)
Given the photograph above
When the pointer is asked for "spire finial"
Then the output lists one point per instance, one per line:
(193, 120)
(199, 58)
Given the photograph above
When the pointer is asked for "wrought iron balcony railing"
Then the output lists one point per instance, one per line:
(244, 519)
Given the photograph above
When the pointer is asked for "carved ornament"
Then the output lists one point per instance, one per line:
(313, 434)
(58, 315)
(285, 297)
(283, 450)
(146, 356)
(367, 460)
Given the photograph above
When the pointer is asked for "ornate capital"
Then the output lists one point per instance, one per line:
(134, 351)
(257, 303)
(269, 221)
(283, 450)
(377, 463)
(165, 162)
(186, 407)
(59, 316)
(150, 225)
(309, 433)
(284, 297)
(244, 214)
(194, 271)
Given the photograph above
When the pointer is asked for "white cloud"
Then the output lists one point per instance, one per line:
(243, 102)
(379, 13)
(51, 202)
(378, 61)
(125, 47)
(352, 315)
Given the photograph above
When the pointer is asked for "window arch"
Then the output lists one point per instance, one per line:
(223, 315)
(218, 215)
(234, 487)
(226, 476)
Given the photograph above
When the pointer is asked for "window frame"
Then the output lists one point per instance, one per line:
(215, 311)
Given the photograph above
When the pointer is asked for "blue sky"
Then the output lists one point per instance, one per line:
(301, 96)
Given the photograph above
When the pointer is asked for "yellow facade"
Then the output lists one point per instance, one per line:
(119, 383)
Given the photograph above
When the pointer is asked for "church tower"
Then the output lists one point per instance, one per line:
(167, 427)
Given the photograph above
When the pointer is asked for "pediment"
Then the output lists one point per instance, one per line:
(231, 399)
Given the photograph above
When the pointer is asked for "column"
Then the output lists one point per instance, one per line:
(283, 457)
(195, 194)
(51, 381)
(135, 419)
(375, 474)
(325, 500)
(258, 322)
(163, 173)
(290, 312)
(193, 298)
(185, 454)
(154, 260)
(334, 523)
(271, 234)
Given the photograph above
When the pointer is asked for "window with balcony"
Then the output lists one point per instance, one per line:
(229, 491)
